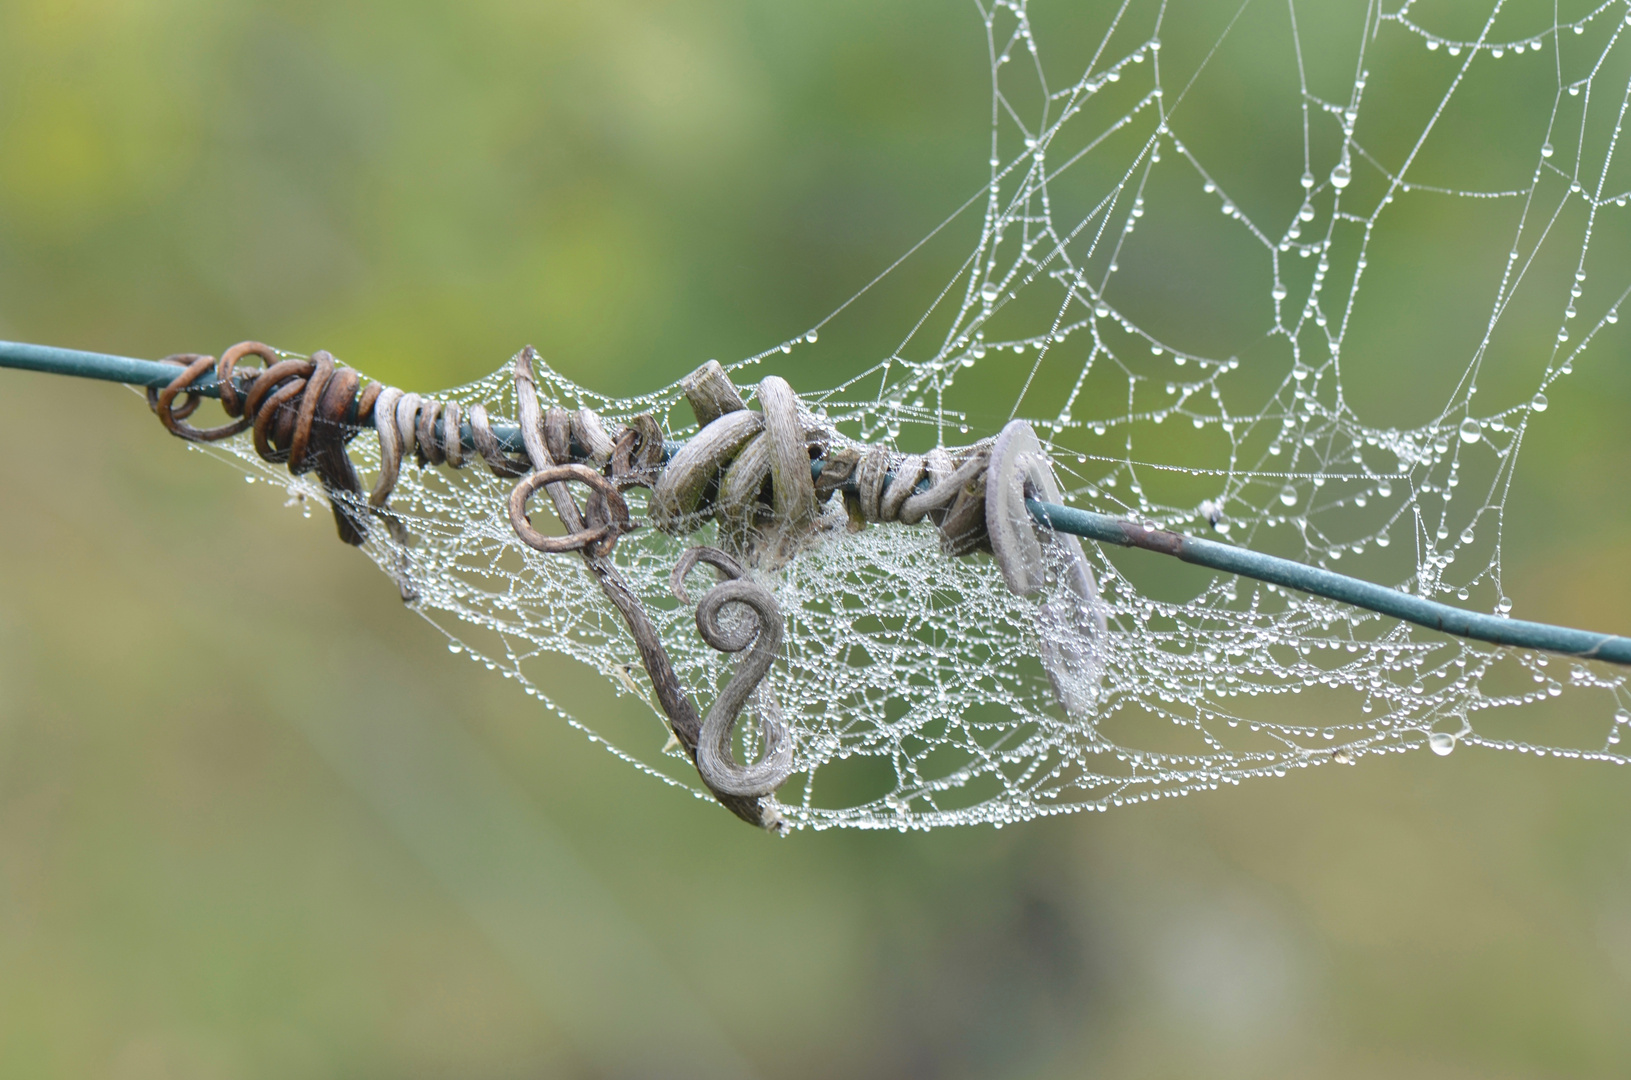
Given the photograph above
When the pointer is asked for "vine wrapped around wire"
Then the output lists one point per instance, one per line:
(763, 476)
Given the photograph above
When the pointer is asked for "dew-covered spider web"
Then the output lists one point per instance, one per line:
(1292, 276)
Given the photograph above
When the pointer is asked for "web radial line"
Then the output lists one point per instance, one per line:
(891, 268)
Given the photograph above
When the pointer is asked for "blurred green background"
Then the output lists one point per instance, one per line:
(255, 821)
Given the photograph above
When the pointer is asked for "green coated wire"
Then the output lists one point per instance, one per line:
(1103, 528)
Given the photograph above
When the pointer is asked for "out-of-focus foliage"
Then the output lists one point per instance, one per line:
(255, 821)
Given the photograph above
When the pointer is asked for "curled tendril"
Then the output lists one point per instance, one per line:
(728, 568)
(761, 641)
(607, 516)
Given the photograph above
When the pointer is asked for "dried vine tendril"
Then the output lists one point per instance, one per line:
(750, 471)
(297, 408)
(714, 759)
(594, 542)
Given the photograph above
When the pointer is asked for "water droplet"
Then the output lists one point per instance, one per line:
(1288, 495)
(1384, 489)
(1622, 717)
(1101, 311)
(812, 337)
(1503, 605)
(1546, 150)
(1306, 213)
(1278, 292)
(1343, 756)
(989, 292)
(1382, 540)
(1470, 431)
(1466, 538)
(454, 647)
(1538, 403)
(1442, 742)
(1341, 175)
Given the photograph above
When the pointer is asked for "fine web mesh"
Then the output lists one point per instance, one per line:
(1210, 335)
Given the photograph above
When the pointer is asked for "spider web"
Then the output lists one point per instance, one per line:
(1332, 354)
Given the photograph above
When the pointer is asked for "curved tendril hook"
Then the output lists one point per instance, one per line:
(608, 514)
(714, 759)
(729, 569)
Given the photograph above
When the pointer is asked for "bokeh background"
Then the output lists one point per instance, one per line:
(256, 822)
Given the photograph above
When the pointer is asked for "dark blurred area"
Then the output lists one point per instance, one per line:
(256, 822)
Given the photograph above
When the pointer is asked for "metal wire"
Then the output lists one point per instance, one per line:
(1103, 528)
